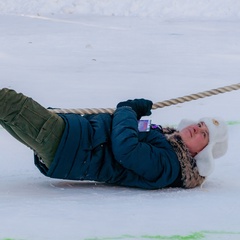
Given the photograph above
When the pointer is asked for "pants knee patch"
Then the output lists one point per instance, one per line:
(34, 121)
(46, 129)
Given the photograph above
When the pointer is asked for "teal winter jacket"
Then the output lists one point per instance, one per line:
(109, 148)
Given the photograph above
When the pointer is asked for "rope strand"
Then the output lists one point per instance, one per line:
(166, 103)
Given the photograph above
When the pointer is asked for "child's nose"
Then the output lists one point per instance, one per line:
(196, 129)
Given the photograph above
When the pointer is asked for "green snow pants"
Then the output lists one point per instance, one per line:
(31, 124)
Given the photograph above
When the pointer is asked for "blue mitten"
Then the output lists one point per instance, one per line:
(142, 107)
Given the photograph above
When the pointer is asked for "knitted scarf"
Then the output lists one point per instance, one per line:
(190, 174)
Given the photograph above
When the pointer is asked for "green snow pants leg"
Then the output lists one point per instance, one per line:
(31, 124)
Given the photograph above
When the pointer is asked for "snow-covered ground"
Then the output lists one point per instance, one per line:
(95, 53)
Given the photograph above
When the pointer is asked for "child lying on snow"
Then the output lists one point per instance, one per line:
(110, 148)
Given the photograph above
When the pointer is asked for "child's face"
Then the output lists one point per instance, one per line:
(196, 137)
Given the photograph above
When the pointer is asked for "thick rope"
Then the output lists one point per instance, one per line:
(166, 103)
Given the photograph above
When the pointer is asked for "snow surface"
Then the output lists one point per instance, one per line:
(95, 53)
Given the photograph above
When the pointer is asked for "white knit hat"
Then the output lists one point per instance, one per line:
(217, 146)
